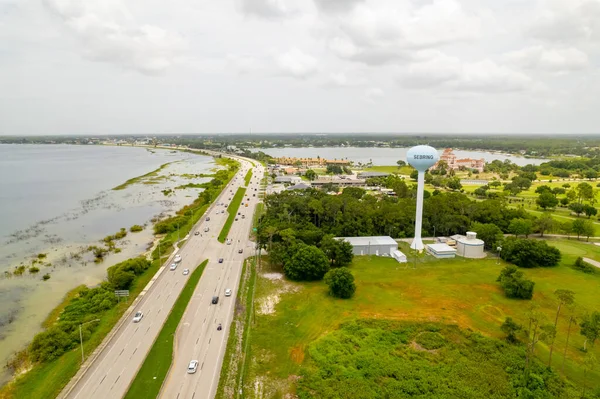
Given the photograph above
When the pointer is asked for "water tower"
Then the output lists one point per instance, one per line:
(421, 157)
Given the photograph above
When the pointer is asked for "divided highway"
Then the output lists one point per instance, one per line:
(197, 338)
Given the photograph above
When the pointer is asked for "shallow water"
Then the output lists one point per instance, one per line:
(58, 200)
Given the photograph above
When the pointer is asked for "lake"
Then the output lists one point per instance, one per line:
(58, 200)
(385, 156)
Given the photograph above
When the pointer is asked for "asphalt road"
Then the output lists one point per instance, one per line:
(114, 369)
(197, 337)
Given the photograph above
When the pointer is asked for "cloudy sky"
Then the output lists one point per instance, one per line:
(200, 66)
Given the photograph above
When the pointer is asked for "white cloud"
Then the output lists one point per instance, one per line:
(109, 33)
(297, 64)
(373, 94)
(549, 59)
(381, 32)
(265, 8)
(336, 5)
(449, 73)
(567, 20)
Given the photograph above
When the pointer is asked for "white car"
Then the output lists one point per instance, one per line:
(228, 241)
(177, 258)
(186, 272)
(206, 229)
(228, 292)
(174, 266)
(192, 367)
(138, 317)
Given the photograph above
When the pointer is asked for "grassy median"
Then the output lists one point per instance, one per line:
(232, 209)
(151, 375)
(248, 177)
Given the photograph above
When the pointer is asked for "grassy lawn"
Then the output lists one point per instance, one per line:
(232, 209)
(459, 291)
(405, 170)
(248, 177)
(137, 179)
(151, 375)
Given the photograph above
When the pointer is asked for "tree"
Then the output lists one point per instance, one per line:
(547, 200)
(334, 169)
(480, 192)
(355, 192)
(494, 184)
(572, 320)
(536, 331)
(589, 211)
(119, 278)
(584, 192)
(339, 252)
(515, 284)
(414, 174)
(565, 297)
(454, 184)
(520, 226)
(543, 189)
(583, 227)
(340, 282)
(511, 328)
(529, 253)
(489, 233)
(311, 175)
(577, 208)
(544, 223)
(400, 164)
(307, 263)
(522, 182)
(558, 190)
(590, 328)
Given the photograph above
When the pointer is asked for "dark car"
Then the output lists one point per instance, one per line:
(220, 260)
(215, 300)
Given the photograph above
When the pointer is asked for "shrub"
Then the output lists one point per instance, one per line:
(34, 270)
(340, 282)
(431, 340)
(307, 263)
(515, 284)
(529, 253)
(136, 228)
(583, 266)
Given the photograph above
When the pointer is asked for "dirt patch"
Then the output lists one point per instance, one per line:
(273, 276)
(267, 304)
(297, 354)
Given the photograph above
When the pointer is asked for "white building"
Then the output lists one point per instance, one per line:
(377, 245)
(469, 246)
(440, 251)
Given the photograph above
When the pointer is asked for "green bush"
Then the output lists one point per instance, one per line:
(136, 228)
(529, 253)
(340, 282)
(515, 284)
(583, 266)
(431, 340)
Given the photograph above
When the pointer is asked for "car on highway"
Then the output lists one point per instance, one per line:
(138, 317)
(192, 367)
(240, 250)
(229, 241)
(215, 300)
(219, 327)
(174, 266)
(220, 260)
(197, 233)
(206, 229)
(177, 258)
(208, 219)
(186, 272)
(228, 292)
(236, 219)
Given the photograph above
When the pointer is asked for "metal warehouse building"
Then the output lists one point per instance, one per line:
(372, 245)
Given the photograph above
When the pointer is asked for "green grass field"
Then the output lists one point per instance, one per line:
(405, 170)
(232, 209)
(248, 177)
(459, 291)
(149, 379)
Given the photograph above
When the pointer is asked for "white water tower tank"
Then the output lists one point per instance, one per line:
(421, 157)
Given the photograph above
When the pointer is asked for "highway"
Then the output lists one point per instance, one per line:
(197, 337)
(110, 375)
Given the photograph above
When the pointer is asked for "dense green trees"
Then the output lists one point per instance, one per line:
(306, 263)
(547, 200)
(529, 253)
(339, 252)
(511, 328)
(489, 233)
(121, 275)
(520, 227)
(311, 175)
(340, 282)
(515, 284)
(590, 328)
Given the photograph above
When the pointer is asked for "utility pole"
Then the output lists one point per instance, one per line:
(81, 337)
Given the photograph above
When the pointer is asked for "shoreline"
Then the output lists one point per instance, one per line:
(132, 246)
(148, 253)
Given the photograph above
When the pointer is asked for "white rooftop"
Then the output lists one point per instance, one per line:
(375, 240)
(468, 240)
(441, 248)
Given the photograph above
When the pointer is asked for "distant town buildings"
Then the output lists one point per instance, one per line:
(450, 159)
(311, 162)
